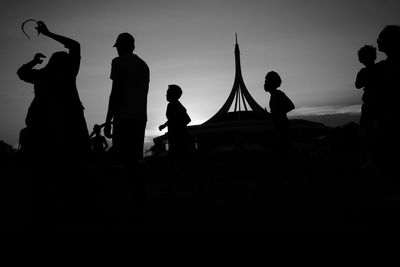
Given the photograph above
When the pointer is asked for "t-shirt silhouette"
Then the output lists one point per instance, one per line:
(133, 76)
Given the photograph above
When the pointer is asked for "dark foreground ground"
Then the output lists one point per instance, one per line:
(233, 191)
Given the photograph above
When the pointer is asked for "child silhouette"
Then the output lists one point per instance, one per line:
(279, 105)
(365, 81)
(177, 120)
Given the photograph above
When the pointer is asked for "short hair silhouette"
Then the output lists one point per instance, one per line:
(389, 39)
(59, 61)
(175, 91)
(367, 53)
(125, 42)
(273, 79)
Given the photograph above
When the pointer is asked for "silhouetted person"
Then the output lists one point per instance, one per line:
(55, 120)
(56, 136)
(279, 105)
(389, 79)
(367, 80)
(388, 98)
(98, 145)
(177, 120)
(97, 141)
(127, 108)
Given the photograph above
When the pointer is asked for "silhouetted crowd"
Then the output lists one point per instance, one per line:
(56, 117)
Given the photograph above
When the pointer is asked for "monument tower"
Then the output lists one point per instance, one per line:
(240, 97)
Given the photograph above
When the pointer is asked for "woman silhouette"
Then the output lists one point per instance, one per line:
(55, 119)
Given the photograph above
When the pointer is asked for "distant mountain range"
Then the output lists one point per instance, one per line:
(331, 120)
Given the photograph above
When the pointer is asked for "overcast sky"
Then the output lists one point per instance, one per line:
(312, 44)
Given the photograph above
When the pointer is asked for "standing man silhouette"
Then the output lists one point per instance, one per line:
(127, 108)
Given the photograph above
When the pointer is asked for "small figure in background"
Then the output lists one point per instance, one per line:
(98, 143)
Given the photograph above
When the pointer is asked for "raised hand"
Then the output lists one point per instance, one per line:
(39, 58)
(42, 28)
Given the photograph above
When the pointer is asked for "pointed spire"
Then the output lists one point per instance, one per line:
(237, 57)
(237, 52)
(239, 95)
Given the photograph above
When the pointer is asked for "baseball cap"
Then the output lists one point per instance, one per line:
(125, 39)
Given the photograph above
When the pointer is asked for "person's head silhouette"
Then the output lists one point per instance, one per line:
(272, 81)
(60, 61)
(389, 40)
(367, 55)
(125, 43)
(174, 92)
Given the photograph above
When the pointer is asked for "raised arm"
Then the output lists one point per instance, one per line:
(26, 71)
(67, 42)
(73, 46)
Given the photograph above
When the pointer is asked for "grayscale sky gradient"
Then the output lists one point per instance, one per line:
(312, 44)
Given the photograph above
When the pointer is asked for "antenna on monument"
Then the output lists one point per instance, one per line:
(236, 37)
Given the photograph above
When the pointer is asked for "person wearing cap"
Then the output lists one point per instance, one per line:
(127, 108)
